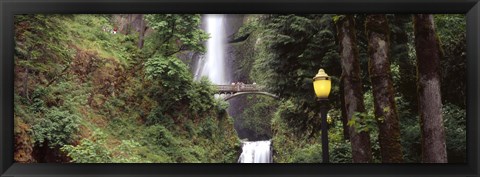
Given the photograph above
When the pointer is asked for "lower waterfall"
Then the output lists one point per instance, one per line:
(256, 152)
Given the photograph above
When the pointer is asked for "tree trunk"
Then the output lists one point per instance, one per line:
(25, 79)
(429, 96)
(25, 84)
(353, 94)
(399, 47)
(129, 24)
(346, 134)
(141, 34)
(376, 27)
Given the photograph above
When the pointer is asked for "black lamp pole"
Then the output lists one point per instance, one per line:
(323, 112)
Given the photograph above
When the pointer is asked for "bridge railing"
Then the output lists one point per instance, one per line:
(239, 88)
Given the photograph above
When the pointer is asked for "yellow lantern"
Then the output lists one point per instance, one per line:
(322, 84)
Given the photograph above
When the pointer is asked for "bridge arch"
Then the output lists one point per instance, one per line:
(235, 90)
(247, 93)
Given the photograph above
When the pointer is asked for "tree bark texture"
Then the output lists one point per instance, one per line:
(428, 84)
(346, 134)
(353, 93)
(141, 34)
(376, 27)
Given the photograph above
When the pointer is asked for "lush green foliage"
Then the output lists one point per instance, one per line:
(103, 100)
(100, 98)
(291, 48)
(59, 120)
(96, 150)
(451, 32)
(32, 32)
(171, 75)
(257, 116)
(455, 123)
(291, 51)
(58, 128)
(181, 29)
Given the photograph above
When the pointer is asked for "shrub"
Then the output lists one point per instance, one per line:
(208, 127)
(309, 154)
(340, 152)
(454, 120)
(161, 136)
(201, 96)
(58, 128)
(159, 116)
(171, 72)
(38, 105)
(90, 150)
(95, 150)
(127, 152)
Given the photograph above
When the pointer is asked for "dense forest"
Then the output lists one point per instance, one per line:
(122, 88)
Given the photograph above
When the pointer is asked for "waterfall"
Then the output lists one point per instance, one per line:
(212, 64)
(256, 152)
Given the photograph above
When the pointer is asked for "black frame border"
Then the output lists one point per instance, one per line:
(8, 8)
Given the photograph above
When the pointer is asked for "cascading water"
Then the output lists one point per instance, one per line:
(213, 65)
(256, 152)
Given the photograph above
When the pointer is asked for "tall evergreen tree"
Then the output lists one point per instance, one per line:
(399, 54)
(376, 27)
(429, 96)
(353, 92)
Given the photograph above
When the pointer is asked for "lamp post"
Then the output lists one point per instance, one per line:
(322, 86)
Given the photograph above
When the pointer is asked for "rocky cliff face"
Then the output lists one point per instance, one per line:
(241, 53)
(132, 23)
(237, 105)
(233, 24)
(128, 23)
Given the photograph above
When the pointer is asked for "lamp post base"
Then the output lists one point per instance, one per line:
(324, 127)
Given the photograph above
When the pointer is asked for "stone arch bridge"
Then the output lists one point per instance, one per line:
(233, 91)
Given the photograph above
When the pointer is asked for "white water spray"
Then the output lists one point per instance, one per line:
(256, 152)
